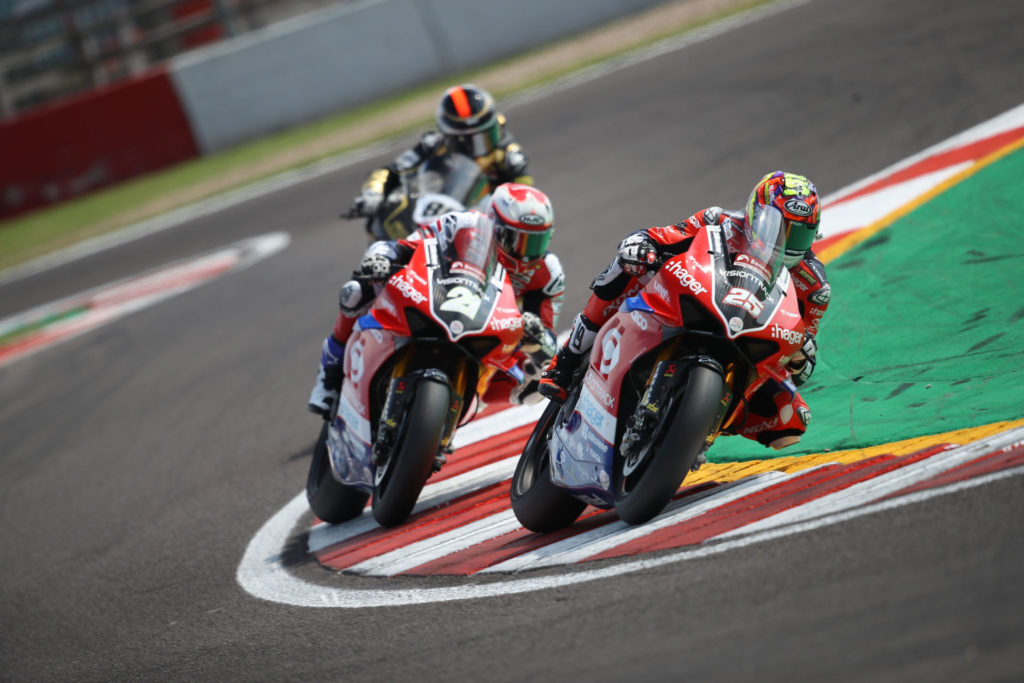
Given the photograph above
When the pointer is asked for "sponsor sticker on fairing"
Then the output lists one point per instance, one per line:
(509, 323)
(407, 289)
(686, 279)
(791, 336)
(746, 261)
(595, 415)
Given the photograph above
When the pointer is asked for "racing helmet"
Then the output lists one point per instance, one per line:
(467, 117)
(797, 198)
(523, 222)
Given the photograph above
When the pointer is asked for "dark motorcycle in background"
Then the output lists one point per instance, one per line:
(673, 369)
(414, 369)
(449, 182)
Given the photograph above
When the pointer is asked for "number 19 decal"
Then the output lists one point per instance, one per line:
(744, 299)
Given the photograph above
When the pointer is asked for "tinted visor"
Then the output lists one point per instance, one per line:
(527, 245)
(479, 144)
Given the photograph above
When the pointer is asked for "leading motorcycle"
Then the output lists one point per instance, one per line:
(672, 370)
(414, 369)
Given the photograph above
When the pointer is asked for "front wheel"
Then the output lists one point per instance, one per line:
(330, 500)
(646, 481)
(399, 480)
(538, 504)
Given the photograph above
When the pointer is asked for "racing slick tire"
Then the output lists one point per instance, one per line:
(329, 499)
(646, 484)
(399, 480)
(538, 504)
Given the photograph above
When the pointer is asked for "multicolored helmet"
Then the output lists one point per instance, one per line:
(523, 223)
(797, 198)
(467, 116)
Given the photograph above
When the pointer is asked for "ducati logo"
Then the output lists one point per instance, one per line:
(610, 351)
(356, 362)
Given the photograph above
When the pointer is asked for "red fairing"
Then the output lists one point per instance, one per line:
(507, 325)
(365, 352)
(630, 334)
(368, 349)
(407, 287)
(622, 340)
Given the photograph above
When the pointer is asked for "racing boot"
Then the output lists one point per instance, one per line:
(328, 379)
(556, 381)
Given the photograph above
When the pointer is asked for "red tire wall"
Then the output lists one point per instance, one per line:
(91, 141)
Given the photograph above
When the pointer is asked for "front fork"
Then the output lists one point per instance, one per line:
(401, 391)
(663, 385)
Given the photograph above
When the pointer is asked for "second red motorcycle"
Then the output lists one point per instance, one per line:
(414, 368)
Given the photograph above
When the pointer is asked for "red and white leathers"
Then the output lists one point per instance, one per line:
(539, 287)
(776, 417)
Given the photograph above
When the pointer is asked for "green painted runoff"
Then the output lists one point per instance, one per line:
(925, 332)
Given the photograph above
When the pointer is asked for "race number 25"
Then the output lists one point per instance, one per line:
(744, 299)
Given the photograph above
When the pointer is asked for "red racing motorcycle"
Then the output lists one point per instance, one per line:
(413, 371)
(669, 372)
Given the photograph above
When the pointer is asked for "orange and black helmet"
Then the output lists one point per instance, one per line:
(467, 115)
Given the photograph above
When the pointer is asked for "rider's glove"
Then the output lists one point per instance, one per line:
(374, 267)
(537, 340)
(803, 362)
(366, 204)
(637, 254)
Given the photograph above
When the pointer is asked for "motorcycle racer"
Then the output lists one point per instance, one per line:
(776, 418)
(468, 123)
(523, 224)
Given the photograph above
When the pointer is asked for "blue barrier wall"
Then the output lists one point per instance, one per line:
(350, 54)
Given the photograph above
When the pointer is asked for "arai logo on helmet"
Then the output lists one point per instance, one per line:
(532, 219)
(798, 207)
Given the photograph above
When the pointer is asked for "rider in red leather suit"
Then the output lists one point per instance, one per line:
(776, 418)
(523, 221)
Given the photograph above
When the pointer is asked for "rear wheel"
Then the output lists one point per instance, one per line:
(399, 481)
(329, 499)
(538, 504)
(646, 481)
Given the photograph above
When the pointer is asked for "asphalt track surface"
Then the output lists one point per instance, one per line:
(138, 460)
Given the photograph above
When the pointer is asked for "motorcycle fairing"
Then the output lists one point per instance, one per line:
(450, 182)
(737, 287)
(382, 332)
(454, 176)
(583, 446)
(461, 305)
(349, 445)
(582, 449)
(349, 441)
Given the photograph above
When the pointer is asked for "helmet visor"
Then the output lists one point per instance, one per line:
(525, 245)
(479, 144)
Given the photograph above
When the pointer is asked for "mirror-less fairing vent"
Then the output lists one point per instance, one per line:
(421, 325)
(757, 349)
(697, 318)
(478, 347)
